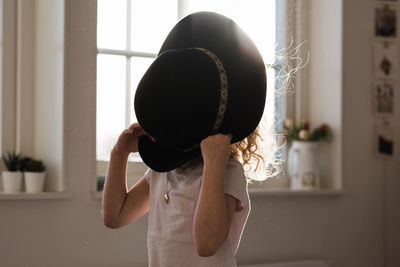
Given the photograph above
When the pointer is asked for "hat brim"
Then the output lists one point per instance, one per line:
(162, 159)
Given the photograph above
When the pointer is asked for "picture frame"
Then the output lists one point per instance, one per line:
(384, 97)
(385, 22)
(385, 143)
(386, 60)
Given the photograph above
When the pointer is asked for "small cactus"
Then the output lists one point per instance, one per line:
(33, 165)
(13, 162)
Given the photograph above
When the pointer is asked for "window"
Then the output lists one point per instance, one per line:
(129, 35)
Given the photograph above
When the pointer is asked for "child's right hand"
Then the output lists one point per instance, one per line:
(129, 139)
(216, 148)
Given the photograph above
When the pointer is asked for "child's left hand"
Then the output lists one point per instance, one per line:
(216, 148)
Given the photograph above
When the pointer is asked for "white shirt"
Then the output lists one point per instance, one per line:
(170, 236)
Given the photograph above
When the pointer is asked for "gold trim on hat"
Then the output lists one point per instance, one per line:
(223, 80)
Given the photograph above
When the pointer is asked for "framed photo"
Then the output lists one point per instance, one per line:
(385, 21)
(384, 99)
(385, 139)
(386, 60)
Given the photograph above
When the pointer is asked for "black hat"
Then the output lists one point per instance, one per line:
(208, 78)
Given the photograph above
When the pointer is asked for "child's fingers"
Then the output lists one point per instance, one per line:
(136, 129)
(134, 125)
(127, 131)
(217, 139)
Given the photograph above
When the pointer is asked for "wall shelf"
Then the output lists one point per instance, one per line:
(284, 192)
(33, 196)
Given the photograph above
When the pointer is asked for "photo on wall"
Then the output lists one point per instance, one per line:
(385, 138)
(385, 60)
(386, 21)
(384, 97)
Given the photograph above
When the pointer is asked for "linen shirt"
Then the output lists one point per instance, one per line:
(170, 226)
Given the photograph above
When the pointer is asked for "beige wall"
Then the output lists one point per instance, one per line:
(356, 229)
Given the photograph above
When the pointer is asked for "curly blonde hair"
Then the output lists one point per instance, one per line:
(246, 151)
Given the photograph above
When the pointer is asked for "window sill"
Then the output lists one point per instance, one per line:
(285, 192)
(31, 196)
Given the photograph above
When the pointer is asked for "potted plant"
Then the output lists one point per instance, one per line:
(12, 177)
(303, 165)
(34, 174)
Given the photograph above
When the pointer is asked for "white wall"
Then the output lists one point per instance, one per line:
(49, 86)
(352, 230)
(325, 83)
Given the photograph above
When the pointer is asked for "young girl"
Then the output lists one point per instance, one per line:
(196, 212)
(198, 106)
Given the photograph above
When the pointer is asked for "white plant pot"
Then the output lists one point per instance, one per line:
(12, 181)
(303, 165)
(34, 181)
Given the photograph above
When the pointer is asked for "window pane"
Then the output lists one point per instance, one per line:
(224, 7)
(111, 24)
(151, 22)
(111, 107)
(255, 17)
(258, 21)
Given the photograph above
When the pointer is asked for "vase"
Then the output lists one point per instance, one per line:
(303, 165)
(12, 181)
(34, 181)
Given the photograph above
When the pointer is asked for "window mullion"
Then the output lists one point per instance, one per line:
(128, 24)
(128, 65)
(128, 92)
(182, 8)
(125, 53)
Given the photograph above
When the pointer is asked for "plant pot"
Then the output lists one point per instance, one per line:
(12, 181)
(34, 181)
(303, 165)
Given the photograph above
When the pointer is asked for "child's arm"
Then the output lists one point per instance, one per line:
(119, 206)
(215, 209)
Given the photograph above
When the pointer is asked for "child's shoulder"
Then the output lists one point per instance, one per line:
(233, 162)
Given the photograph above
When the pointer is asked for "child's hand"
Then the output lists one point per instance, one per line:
(216, 148)
(128, 140)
